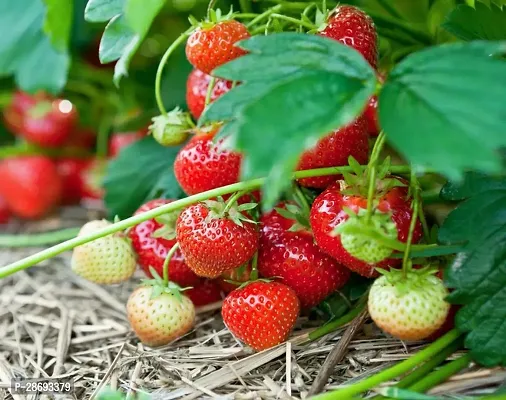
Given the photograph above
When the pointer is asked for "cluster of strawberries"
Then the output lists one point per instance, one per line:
(35, 183)
(221, 246)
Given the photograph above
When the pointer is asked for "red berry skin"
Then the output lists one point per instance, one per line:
(92, 176)
(52, 128)
(371, 116)
(71, 173)
(15, 112)
(30, 185)
(152, 251)
(205, 292)
(261, 314)
(298, 261)
(208, 48)
(333, 150)
(119, 141)
(196, 91)
(5, 214)
(203, 165)
(328, 212)
(354, 28)
(214, 246)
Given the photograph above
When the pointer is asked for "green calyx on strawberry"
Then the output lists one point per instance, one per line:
(409, 306)
(295, 213)
(168, 228)
(160, 286)
(218, 210)
(171, 129)
(358, 235)
(214, 17)
(357, 182)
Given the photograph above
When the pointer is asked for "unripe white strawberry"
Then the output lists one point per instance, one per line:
(107, 260)
(410, 308)
(159, 318)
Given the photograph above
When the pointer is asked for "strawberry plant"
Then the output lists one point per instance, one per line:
(315, 135)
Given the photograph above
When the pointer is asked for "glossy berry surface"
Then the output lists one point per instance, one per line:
(213, 245)
(297, 260)
(261, 314)
(354, 28)
(209, 47)
(152, 251)
(334, 150)
(203, 165)
(196, 91)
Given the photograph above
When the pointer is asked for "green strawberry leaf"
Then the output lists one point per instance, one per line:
(58, 22)
(141, 172)
(26, 44)
(477, 272)
(103, 10)
(336, 78)
(436, 128)
(478, 23)
(141, 13)
(129, 23)
(473, 184)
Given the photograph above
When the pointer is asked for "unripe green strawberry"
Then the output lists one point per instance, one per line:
(364, 247)
(410, 308)
(158, 319)
(105, 261)
(171, 129)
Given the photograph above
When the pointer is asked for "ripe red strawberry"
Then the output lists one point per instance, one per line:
(354, 28)
(239, 275)
(159, 318)
(196, 91)
(30, 185)
(296, 259)
(334, 150)
(5, 214)
(118, 141)
(92, 176)
(153, 239)
(371, 116)
(107, 260)
(213, 44)
(410, 308)
(71, 173)
(49, 123)
(205, 292)
(329, 211)
(214, 240)
(261, 314)
(204, 165)
(14, 113)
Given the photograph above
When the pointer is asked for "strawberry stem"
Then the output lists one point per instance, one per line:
(38, 239)
(442, 374)
(233, 200)
(302, 200)
(210, 88)
(167, 208)
(401, 368)
(245, 6)
(165, 268)
(371, 176)
(412, 225)
(254, 270)
(296, 21)
(163, 61)
(264, 15)
(103, 137)
(30, 150)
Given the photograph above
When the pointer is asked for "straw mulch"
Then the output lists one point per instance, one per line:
(53, 324)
